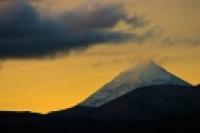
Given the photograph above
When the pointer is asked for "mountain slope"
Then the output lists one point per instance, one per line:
(145, 74)
(152, 102)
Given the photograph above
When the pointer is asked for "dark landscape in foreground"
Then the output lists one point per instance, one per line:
(178, 110)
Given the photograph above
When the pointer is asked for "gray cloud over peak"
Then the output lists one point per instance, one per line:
(25, 34)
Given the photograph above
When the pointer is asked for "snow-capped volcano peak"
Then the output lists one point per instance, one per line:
(142, 75)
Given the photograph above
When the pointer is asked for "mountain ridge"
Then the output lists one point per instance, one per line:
(142, 75)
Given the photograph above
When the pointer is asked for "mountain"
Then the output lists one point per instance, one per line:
(142, 75)
(146, 98)
(153, 102)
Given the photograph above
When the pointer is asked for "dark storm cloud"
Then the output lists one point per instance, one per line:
(25, 34)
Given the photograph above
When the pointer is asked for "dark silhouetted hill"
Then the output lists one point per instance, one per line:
(160, 109)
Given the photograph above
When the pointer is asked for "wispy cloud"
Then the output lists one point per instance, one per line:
(170, 40)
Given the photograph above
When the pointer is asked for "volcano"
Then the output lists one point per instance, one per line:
(146, 98)
(142, 75)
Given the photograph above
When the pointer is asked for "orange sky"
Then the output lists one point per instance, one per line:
(43, 85)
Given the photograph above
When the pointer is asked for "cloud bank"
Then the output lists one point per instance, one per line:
(24, 33)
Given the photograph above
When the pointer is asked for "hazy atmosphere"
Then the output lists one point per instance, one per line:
(55, 53)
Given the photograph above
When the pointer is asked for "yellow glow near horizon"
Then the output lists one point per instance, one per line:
(46, 85)
(43, 85)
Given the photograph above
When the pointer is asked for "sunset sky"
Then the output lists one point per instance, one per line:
(55, 53)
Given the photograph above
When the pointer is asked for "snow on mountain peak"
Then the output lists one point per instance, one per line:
(142, 75)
